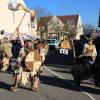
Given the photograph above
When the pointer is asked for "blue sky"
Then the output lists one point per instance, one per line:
(88, 9)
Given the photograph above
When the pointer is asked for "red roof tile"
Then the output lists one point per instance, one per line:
(44, 20)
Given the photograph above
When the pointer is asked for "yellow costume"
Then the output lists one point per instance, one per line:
(65, 44)
(90, 50)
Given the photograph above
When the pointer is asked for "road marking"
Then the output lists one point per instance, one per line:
(83, 91)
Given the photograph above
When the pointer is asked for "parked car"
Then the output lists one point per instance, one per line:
(53, 43)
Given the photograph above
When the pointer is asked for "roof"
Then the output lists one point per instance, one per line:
(44, 20)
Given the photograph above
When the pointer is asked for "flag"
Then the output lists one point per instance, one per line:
(99, 19)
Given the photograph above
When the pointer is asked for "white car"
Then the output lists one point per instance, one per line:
(53, 43)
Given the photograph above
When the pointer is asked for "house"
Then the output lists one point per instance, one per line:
(70, 24)
(10, 18)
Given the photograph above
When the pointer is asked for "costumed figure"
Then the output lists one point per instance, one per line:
(27, 66)
(64, 46)
(83, 70)
(6, 53)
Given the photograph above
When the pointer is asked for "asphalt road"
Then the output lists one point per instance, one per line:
(56, 84)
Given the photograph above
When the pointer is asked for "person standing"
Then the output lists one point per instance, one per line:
(20, 66)
(6, 47)
(90, 50)
(65, 44)
(87, 59)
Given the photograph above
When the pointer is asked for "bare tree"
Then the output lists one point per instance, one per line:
(88, 28)
(69, 30)
(40, 12)
(42, 30)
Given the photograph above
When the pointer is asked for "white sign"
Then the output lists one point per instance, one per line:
(64, 51)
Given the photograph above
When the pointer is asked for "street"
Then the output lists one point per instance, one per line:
(52, 42)
(56, 83)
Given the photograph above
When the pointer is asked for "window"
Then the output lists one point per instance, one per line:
(70, 22)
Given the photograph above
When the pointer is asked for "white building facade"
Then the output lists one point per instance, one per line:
(56, 24)
(10, 19)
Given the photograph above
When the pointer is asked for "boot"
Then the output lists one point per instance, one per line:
(35, 84)
(15, 87)
(97, 83)
(40, 71)
(77, 80)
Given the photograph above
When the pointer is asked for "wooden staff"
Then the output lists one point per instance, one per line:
(19, 23)
(21, 7)
(21, 19)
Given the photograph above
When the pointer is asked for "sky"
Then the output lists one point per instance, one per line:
(88, 9)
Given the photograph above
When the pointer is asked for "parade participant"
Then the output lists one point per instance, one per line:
(6, 48)
(96, 72)
(83, 70)
(96, 67)
(36, 43)
(64, 46)
(43, 47)
(1, 55)
(90, 50)
(16, 48)
(21, 67)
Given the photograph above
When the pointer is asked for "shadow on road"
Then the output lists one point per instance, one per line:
(57, 82)
(5, 86)
(91, 90)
